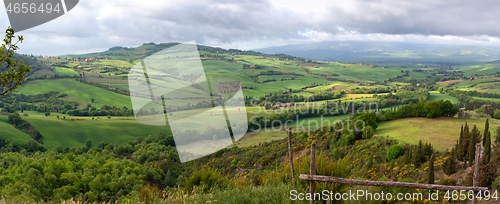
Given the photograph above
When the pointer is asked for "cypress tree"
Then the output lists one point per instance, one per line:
(475, 132)
(461, 135)
(418, 156)
(473, 139)
(464, 144)
(449, 165)
(430, 173)
(486, 129)
(407, 155)
(487, 148)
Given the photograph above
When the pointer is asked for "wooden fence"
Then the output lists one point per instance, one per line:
(312, 177)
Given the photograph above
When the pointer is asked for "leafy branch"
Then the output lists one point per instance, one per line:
(12, 72)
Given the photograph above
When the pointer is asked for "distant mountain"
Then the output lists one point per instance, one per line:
(387, 52)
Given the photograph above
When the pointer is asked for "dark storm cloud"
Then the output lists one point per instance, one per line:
(98, 25)
(461, 18)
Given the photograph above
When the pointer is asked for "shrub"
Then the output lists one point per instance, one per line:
(205, 179)
(394, 152)
(368, 132)
(496, 114)
(449, 166)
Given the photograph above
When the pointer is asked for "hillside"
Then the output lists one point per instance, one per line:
(104, 79)
(84, 114)
(8, 131)
(443, 133)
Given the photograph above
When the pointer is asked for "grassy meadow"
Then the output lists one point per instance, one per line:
(65, 71)
(8, 131)
(77, 92)
(74, 133)
(435, 96)
(441, 132)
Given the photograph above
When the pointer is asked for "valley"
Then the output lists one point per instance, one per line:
(81, 105)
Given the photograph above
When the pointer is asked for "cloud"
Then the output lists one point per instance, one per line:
(94, 25)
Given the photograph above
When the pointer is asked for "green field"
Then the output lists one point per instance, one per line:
(435, 96)
(77, 90)
(441, 132)
(349, 100)
(472, 83)
(487, 99)
(316, 122)
(68, 133)
(357, 72)
(255, 138)
(8, 131)
(481, 69)
(494, 91)
(121, 129)
(65, 71)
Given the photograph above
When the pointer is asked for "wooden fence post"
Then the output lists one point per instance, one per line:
(476, 170)
(290, 152)
(312, 170)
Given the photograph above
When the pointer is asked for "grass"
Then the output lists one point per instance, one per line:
(120, 86)
(487, 99)
(117, 63)
(77, 91)
(440, 132)
(344, 99)
(316, 122)
(257, 137)
(434, 95)
(356, 96)
(472, 83)
(117, 130)
(357, 72)
(8, 131)
(120, 130)
(65, 71)
(481, 69)
(336, 84)
(494, 91)
(67, 133)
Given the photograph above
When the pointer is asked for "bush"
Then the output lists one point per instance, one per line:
(496, 114)
(368, 132)
(206, 179)
(394, 152)
(449, 166)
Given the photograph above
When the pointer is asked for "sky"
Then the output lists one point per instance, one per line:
(96, 25)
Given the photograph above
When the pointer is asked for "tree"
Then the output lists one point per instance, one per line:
(464, 144)
(430, 173)
(487, 148)
(394, 152)
(449, 165)
(368, 132)
(92, 100)
(88, 144)
(169, 179)
(496, 114)
(12, 72)
(472, 144)
(486, 130)
(47, 113)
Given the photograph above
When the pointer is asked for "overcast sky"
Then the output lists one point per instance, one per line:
(96, 25)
